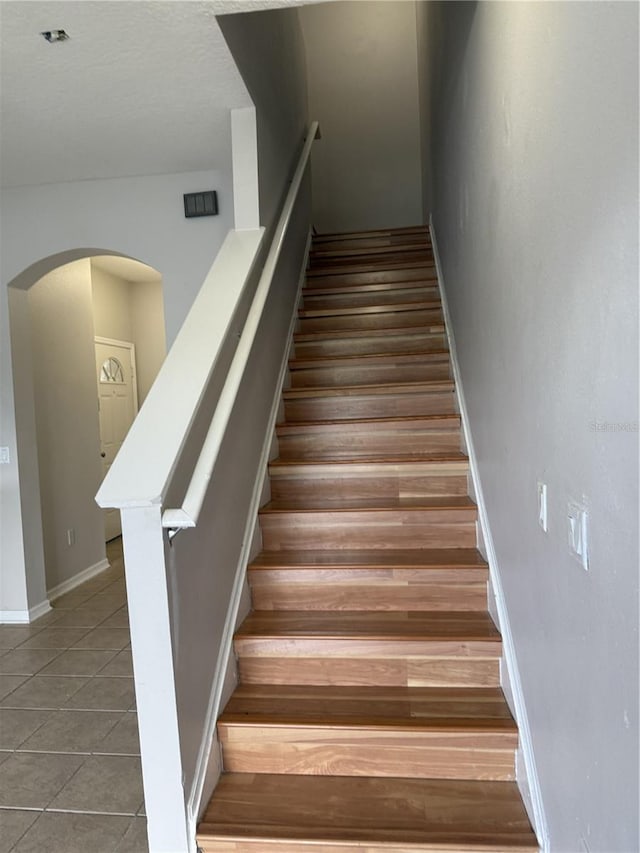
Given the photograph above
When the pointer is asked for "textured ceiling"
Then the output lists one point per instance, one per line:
(140, 88)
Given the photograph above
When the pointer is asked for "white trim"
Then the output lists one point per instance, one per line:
(112, 342)
(213, 709)
(76, 580)
(527, 775)
(244, 158)
(21, 617)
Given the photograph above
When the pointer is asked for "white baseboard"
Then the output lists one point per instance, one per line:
(526, 771)
(76, 580)
(207, 769)
(24, 617)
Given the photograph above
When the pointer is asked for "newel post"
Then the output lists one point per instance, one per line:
(149, 616)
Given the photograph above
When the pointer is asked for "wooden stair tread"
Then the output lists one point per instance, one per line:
(369, 358)
(352, 269)
(355, 624)
(426, 559)
(340, 334)
(375, 232)
(373, 461)
(370, 707)
(295, 426)
(428, 282)
(378, 388)
(382, 308)
(446, 502)
(456, 815)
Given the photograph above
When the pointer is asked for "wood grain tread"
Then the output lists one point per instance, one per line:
(340, 504)
(446, 709)
(375, 232)
(378, 388)
(365, 813)
(415, 420)
(379, 308)
(427, 559)
(424, 330)
(463, 626)
(386, 266)
(370, 358)
(377, 462)
(428, 281)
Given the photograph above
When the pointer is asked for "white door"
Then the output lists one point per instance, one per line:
(118, 406)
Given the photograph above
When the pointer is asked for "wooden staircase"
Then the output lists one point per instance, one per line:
(369, 714)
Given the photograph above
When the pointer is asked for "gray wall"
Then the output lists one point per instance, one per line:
(269, 52)
(533, 115)
(363, 89)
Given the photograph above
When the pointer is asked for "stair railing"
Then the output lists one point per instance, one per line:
(187, 515)
(190, 460)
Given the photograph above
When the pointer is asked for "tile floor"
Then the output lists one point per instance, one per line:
(70, 775)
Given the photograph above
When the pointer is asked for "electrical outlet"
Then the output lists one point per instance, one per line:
(578, 530)
(542, 506)
(71, 537)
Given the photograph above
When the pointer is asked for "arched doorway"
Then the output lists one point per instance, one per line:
(57, 308)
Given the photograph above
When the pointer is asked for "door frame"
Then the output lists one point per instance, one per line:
(134, 371)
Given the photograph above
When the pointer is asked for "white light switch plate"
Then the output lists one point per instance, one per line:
(4, 456)
(577, 518)
(542, 506)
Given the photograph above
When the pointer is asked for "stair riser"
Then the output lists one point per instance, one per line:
(352, 752)
(371, 667)
(426, 282)
(369, 593)
(362, 263)
(366, 444)
(370, 246)
(408, 272)
(383, 485)
(366, 298)
(286, 845)
(365, 406)
(389, 343)
(386, 320)
(375, 374)
(362, 529)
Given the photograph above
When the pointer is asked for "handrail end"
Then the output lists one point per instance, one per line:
(177, 519)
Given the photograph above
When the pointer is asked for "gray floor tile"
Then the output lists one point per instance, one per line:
(104, 638)
(121, 664)
(83, 617)
(30, 780)
(26, 661)
(73, 731)
(9, 683)
(120, 619)
(104, 694)
(17, 725)
(55, 638)
(111, 784)
(71, 600)
(55, 832)
(13, 635)
(47, 619)
(44, 691)
(13, 825)
(123, 739)
(77, 662)
(135, 838)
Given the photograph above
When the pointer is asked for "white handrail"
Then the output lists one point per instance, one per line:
(187, 515)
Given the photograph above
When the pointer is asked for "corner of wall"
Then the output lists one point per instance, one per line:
(526, 771)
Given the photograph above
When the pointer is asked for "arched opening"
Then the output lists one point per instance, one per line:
(65, 313)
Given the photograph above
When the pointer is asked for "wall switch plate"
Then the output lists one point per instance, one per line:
(542, 506)
(577, 517)
(5, 458)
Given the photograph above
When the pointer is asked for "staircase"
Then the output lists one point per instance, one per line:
(369, 714)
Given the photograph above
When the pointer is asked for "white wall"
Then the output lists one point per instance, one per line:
(64, 379)
(131, 311)
(533, 109)
(141, 217)
(363, 89)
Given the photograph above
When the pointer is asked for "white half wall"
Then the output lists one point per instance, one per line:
(363, 89)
